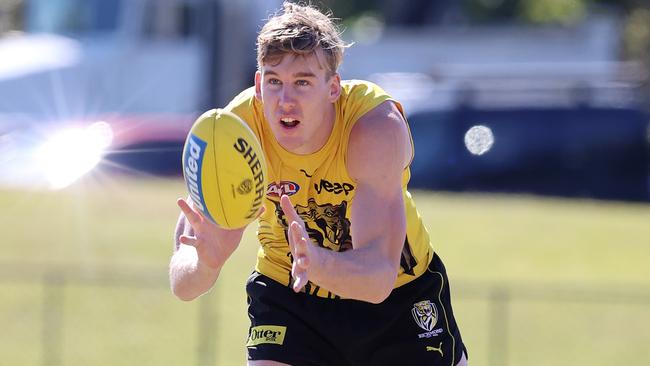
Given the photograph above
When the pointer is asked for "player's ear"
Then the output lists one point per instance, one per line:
(258, 85)
(335, 87)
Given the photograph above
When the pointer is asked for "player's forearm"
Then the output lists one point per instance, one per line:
(189, 277)
(360, 274)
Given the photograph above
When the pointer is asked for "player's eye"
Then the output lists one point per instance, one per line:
(274, 81)
(302, 82)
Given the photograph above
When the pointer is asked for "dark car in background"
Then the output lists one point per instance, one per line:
(577, 151)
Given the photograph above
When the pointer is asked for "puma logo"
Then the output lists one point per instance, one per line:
(439, 349)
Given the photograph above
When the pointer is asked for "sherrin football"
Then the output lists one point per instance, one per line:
(224, 169)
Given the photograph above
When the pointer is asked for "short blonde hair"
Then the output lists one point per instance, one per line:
(301, 30)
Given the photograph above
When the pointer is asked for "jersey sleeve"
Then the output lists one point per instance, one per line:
(362, 97)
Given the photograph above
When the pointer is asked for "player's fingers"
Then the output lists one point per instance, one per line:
(187, 240)
(287, 208)
(261, 212)
(189, 231)
(298, 268)
(299, 281)
(180, 228)
(294, 270)
(297, 235)
(192, 216)
(183, 227)
(292, 237)
(303, 262)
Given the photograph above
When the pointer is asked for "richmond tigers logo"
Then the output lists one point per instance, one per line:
(326, 224)
(425, 314)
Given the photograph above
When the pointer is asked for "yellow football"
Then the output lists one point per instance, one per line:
(224, 169)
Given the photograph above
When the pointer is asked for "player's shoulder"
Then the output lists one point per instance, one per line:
(245, 99)
(384, 120)
(361, 88)
(379, 108)
(247, 107)
(379, 141)
(358, 98)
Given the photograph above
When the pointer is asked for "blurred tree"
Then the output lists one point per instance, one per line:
(489, 11)
(552, 11)
(637, 33)
(422, 12)
(348, 9)
(440, 12)
(636, 41)
(526, 11)
(11, 16)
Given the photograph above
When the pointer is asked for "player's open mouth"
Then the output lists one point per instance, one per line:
(289, 122)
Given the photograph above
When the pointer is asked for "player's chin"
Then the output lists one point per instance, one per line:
(290, 141)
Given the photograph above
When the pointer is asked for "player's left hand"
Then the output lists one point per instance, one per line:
(301, 248)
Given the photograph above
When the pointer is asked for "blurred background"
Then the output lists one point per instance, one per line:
(531, 125)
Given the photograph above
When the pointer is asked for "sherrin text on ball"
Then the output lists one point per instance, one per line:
(224, 169)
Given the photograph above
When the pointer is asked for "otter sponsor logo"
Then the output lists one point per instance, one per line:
(243, 147)
(335, 188)
(193, 155)
(284, 187)
(266, 334)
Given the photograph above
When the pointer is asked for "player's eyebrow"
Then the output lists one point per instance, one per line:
(300, 74)
(304, 75)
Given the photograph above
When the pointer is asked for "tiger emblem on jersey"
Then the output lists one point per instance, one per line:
(425, 314)
(326, 224)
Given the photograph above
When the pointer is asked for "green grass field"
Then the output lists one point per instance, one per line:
(560, 264)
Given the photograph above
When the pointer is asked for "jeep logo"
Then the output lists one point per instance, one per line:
(335, 188)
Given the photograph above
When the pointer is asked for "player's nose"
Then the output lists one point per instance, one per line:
(287, 99)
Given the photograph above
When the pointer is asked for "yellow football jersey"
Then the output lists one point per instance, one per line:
(321, 190)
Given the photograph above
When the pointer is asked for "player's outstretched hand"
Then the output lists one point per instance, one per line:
(213, 244)
(301, 249)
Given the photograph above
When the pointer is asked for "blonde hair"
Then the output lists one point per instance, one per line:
(301, 30)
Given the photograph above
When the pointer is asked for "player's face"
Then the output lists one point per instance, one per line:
(298, 95)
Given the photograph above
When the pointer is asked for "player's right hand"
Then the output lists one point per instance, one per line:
(214, 244)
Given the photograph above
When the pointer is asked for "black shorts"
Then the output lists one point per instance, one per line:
(413, 326)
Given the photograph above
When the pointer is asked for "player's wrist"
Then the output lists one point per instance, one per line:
(318, 266)
(212, 257)
(209, 265)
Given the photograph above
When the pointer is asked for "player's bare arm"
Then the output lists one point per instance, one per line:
(202, 248)
(379, 150)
